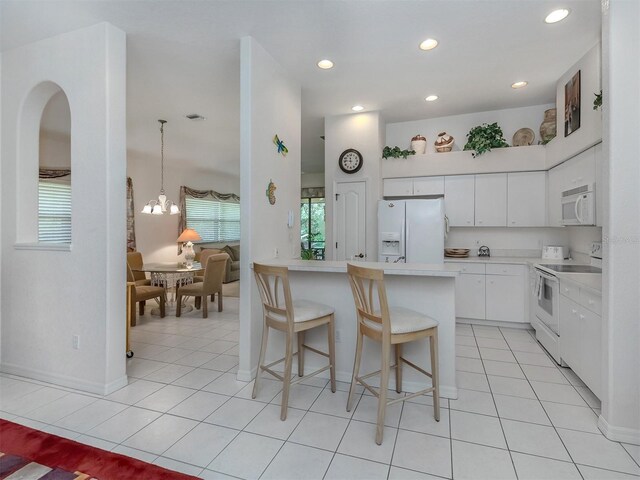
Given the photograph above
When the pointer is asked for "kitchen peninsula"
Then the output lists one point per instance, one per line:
(426, 288)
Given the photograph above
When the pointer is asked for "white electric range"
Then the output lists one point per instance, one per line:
(546, 294)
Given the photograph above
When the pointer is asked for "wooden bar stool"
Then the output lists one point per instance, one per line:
(389, 326)
(293, 318)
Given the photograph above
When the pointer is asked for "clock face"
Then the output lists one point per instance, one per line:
(350, 161)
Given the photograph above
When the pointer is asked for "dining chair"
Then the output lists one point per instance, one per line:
(204, 255)
(211, 285)
(135, 262)
(141, 293)
(293, 318)
(392, 327)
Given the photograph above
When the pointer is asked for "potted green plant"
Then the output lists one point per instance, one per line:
(395, 152)
(484, 137)
(597, 102)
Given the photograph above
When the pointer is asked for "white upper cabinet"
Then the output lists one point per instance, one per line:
(527, 199)
(491, 200)
(397, 187)
(459, 200)
(411, 187)
(428, 186)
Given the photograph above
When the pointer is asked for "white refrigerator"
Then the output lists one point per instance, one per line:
(411, 231)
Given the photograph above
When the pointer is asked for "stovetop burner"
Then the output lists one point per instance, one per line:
(573, 268)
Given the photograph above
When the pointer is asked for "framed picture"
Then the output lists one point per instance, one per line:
(572, 105)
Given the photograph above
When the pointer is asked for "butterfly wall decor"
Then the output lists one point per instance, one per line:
(281, 147)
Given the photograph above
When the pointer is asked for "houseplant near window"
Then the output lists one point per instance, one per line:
(484, 137)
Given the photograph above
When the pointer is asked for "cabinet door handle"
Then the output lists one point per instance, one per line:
(566, 289)
(574, 311)
(581, 317)
(479, 221)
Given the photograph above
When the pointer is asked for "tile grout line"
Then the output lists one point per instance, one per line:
(495, 405)
(547, 414)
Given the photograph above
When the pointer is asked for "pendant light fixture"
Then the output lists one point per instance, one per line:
(161, 205)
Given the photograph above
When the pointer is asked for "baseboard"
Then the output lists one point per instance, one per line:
(494, 323)
(64, 380)
(446, 391)
(618, 434)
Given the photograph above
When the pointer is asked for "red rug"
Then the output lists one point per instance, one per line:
(23, 447)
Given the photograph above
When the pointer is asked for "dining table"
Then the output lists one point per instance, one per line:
(170, 276)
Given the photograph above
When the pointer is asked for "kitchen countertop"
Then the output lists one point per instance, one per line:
(590, 281)
(411, 269)
(510, 260)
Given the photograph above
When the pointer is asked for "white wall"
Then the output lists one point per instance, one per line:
(562, 148)
(620, 418)
(270, 104)
(312, 180)
(364, 132)
(510, 120)
(50, 295)
(156, 235)
(581, 238)
(507, 241)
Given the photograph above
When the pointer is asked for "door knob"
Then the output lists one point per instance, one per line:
(361, 255)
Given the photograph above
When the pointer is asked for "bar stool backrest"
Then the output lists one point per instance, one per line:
(370, 297)
(273, 284)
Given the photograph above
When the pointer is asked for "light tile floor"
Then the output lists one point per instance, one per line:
(517, 415)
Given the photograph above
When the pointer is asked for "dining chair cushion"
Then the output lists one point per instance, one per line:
(146, 292)
(305, 310)
(404, 320)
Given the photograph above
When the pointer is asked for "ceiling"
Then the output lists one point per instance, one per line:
(183, 57)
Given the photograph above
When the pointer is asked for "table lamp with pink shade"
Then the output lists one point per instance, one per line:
(187, 237)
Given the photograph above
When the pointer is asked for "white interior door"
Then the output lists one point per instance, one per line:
(350, 221)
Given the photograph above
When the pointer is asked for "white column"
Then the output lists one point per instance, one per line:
(620, 418)
(270, 104)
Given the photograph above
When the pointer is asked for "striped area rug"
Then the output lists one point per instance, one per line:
(13, 467)
(29, 454)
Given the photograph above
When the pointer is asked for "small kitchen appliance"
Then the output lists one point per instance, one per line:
(554, 252)
(484, 251)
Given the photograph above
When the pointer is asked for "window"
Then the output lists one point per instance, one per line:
(312, 225)
(214, 221)
(54, 212)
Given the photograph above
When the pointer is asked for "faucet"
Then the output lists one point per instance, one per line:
(397, 260)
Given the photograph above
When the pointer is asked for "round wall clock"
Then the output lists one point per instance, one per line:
(350, 161)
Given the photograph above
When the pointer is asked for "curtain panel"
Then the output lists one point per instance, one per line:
(192, 192)
(131, 222)
(54, 172)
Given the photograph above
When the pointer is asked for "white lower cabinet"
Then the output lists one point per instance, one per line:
(495, 292)
(581, 336)
(470, 296)
(506, 298)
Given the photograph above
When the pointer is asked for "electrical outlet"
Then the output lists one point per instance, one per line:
(338, 336)
(76, 342)
(477, 243)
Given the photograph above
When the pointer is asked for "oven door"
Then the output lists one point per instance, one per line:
(548, 301)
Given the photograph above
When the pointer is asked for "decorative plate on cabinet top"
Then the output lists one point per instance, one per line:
(456, 252)
(523, 137)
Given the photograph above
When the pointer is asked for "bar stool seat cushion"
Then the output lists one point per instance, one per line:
(404, 320)
(305, 310)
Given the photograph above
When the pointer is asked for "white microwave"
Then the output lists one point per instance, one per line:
(579, 206)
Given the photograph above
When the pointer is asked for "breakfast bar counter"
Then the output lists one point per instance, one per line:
(426, 288)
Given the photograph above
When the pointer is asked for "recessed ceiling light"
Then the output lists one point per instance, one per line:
(357, 108)
(431, 98)
(325, 64)
(519, 84)
(429, 44)
(557, 15)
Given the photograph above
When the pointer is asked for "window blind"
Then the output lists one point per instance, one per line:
(214, 221)
(54, 212)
